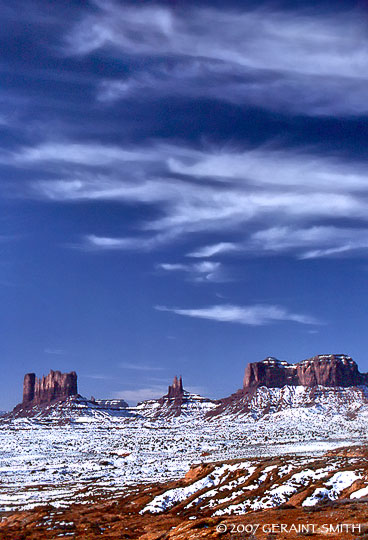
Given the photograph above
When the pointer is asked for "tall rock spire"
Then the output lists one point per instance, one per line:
(29, 387)
(176, 389)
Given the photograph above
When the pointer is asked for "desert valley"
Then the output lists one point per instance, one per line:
(287, 449)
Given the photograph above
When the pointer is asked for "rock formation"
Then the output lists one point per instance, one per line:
(176, 389)
(175, 397)
(29, 387)
(55, 386)
(330, 370)
(176, 402)
(322, 374)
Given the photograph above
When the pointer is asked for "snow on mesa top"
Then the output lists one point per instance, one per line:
(316, 375)
(276, 385)
(329, 370)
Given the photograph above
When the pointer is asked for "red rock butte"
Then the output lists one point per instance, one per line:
(55, 386)
(330, 370)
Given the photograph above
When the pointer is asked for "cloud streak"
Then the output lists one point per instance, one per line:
(312, 62)
(200, 272)
(57, 352)
(288, 93)
(313, 242)
(214, 249)
(212, 191)
(140, 367)
(140, 394)
(306, 243)
(252, 315)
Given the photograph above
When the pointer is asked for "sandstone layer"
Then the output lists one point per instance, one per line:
(330, 370)
(47, 389)
(176, 389)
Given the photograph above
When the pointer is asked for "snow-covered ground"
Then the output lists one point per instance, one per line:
(42, 463)
(79, 451)
(239, 488)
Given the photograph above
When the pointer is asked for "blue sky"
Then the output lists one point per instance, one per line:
(184, 189)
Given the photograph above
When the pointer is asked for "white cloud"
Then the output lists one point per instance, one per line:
(200, 272)
(219, 191)
(96, 243)
(313, 242)
(310, 62)
(306, 243)
(105, 242)
(291, 93)
(78, 154)
(140, 367)
(214, 249)
(140, 394)
(328, 252)
(99, 377)
(253, 315)
(57, 352)
(287, 41)
(267, 167)
(174, 267)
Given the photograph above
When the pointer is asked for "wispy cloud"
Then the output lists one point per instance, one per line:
(256, 38)
(312, 62)
(57, 352)
(99, 377)
(253, 315)
(287, 92)
(305, 243)
(265, 184)
(267, 167)
(140, 394)
(213, 249)
(92, 242)
(104, 242)
(140, 367)
(77, 154)
(200, 272)
(312, 242)
(237, 188)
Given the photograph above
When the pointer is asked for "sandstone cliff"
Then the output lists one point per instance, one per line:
(55, 386)
(330, 370)
(322, 375)
(176, 389)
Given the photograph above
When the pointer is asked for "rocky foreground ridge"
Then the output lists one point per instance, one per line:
(284, 497)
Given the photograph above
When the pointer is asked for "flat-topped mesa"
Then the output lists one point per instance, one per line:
(55, 386)
(176, 389)
(330, 370)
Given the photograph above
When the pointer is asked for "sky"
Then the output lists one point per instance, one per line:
(183, 190)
